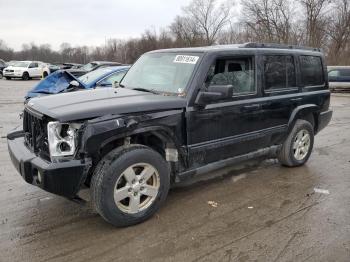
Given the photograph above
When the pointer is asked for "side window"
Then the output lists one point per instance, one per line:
(238, 72)
(333, 73)
(311, 71)
(345, 72)
(279, 72)
(116, 77)
(33, 65)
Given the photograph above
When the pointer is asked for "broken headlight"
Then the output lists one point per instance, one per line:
(62, 139)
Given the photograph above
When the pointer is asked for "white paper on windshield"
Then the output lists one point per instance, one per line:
(186, 59)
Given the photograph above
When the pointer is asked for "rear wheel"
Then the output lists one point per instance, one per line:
(45, 74)
(297, 148)
(25, 76)
(130, 184)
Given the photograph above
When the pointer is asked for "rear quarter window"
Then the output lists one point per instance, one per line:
(311, 71)
(345, 72)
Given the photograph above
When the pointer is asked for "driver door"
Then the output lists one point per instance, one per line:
(226, 128)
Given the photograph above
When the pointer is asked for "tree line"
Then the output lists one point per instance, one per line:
(316, 23)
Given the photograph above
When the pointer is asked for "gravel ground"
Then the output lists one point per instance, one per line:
(259, 212)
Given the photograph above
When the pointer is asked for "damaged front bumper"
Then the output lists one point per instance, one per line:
(63, 178)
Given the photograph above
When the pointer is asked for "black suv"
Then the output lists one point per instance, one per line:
(3, 65)
(177, 113)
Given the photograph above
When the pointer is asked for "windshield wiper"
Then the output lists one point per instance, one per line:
(145, 90)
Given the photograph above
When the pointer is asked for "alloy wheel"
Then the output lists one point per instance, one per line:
(136, 188)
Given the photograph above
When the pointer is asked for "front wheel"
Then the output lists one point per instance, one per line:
(129, 185)
(1, 75)
(297, 148)
(25, 76)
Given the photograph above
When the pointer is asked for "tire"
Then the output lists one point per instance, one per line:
(45, 74)
(288, 155)
(25, 76)
(113, 172)
(1, 75)
(8, 78)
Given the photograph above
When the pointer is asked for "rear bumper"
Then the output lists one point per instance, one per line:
(63, 178)
(323, 119)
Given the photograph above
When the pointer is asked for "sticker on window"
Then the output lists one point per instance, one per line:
(186, 59)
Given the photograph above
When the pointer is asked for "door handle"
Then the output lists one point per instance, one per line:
(251, 107)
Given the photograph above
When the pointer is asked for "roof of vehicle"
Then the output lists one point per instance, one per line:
(245, 46)
(113, 68)
(338, 67)
(105, 62)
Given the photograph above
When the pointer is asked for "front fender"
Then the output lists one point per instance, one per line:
(95, 134)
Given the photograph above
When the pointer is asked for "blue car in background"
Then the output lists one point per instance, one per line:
(63, 81)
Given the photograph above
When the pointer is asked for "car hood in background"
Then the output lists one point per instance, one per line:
(98, 102)
(77, 72)
(54, 83)
(15, 68)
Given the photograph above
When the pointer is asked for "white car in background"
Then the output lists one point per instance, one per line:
(25, 70)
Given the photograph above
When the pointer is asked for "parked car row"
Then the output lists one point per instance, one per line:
(36, 69)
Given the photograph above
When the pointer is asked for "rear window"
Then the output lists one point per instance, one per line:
(311, 71)
(279, 72)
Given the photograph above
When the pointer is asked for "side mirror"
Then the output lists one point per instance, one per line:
(74, 83)
(214, 93)
(115, 84)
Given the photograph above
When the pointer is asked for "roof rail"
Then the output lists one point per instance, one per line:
(278, 46)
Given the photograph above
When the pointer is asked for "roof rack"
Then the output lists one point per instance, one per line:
(278, 46)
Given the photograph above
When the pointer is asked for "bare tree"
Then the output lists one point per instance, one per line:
(208, 17)
(186, 32)
(270, 21)
(316, 21)
(339, 32)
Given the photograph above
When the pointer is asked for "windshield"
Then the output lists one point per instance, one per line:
(94, 76)
(161, 72)
(21, 64)
(88, 67)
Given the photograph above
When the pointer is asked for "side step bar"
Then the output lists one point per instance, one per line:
(265, 152)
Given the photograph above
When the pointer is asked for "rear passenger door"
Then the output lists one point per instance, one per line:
(34, 70)
(280, 92)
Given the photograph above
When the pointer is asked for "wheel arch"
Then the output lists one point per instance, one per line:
(308, 112)
(159, 138)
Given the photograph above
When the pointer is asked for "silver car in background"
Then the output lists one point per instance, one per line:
(339, 77)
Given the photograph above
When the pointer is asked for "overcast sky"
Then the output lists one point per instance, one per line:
(81, 22)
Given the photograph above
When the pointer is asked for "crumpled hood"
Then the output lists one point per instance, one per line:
(93, 103)
(54, 83)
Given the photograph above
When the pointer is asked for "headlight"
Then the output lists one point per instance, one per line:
(61, 138)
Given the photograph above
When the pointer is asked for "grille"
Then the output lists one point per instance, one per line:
(35, 133)
(9, 70)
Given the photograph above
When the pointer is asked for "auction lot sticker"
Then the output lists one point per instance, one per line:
(186, 59)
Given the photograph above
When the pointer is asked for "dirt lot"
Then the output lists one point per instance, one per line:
(264, 212)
